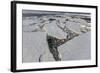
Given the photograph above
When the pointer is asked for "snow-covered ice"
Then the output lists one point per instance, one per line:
(34, 46)
(35, 30)
(78, 48)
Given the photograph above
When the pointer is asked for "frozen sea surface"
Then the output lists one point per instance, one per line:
(78, 48)
(35, 46)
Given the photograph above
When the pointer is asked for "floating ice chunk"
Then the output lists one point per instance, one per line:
(53, 30)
